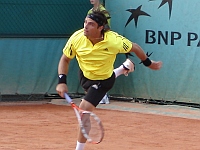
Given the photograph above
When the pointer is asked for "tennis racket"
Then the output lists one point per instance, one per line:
(90, 124)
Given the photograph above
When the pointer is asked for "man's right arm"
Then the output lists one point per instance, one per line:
(63, 64)
(63, 67)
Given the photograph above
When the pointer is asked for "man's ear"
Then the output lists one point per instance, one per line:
(101, 28)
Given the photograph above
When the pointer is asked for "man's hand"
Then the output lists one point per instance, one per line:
(155, 65)
(61, 89)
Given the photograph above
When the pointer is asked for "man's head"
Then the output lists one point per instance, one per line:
(94, 24)
(95, 2)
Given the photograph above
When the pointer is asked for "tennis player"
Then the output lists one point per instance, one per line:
(97, 6)
(95, 49)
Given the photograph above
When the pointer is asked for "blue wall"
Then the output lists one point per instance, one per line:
(29, 66)
(173, 37)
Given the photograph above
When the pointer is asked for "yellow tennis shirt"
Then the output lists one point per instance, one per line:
(96, 61)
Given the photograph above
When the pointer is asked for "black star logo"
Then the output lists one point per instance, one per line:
(135, 13)
(169, 3)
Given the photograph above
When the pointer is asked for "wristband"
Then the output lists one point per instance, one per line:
(62, 78)
(147, 62)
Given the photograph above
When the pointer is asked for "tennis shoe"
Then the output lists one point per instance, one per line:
(105, 100)
(128, 66)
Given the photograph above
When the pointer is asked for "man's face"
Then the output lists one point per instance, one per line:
(94, 2)
(91, 28)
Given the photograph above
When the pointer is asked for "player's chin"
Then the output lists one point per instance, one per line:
(86, 34)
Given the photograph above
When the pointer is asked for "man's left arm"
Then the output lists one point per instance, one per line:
(139, 52)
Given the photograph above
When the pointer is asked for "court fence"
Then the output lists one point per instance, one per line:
(41, 18)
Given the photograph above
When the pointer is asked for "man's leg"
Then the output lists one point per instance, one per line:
(81, 139)
(127, 67)
(95, 92)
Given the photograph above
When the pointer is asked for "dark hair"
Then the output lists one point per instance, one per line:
(100, 18)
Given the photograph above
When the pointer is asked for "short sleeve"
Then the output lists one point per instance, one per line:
(69, 50)
(125, 44)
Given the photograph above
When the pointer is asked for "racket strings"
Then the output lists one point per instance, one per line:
(93, 127)
(85, 118)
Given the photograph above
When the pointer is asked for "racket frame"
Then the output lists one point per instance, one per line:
(77, 111)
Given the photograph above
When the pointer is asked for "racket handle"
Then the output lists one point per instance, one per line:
(69, 100)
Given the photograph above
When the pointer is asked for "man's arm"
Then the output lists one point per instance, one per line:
(63, 67)
(139, 52)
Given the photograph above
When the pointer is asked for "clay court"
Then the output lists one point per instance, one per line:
(128, 126)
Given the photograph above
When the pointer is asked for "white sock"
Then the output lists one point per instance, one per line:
(80, 146)
(118, 71)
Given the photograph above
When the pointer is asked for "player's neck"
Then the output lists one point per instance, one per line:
(95, 40)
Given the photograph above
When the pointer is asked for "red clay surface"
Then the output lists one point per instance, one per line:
(54, 127)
